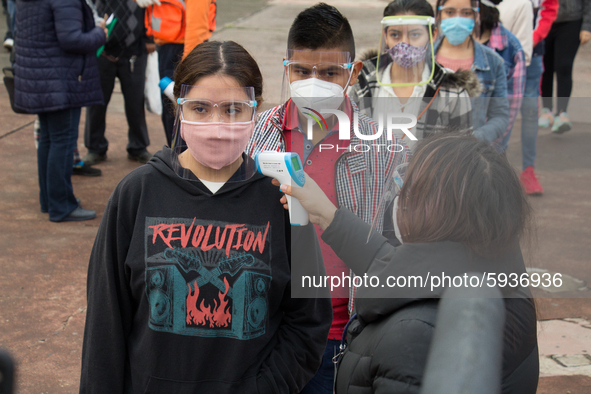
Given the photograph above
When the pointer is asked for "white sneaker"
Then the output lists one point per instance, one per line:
(9, 43)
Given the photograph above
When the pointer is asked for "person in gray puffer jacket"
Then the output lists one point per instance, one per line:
(56, 74)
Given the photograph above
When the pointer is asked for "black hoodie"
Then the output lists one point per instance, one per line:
(189, 291)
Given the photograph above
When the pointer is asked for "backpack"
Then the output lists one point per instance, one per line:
(166, 22)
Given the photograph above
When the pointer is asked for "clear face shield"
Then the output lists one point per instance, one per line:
(212, 128)
(315, 81)
(384, 220)
(406, 56)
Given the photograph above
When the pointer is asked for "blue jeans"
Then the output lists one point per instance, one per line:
(10, 9)
(323, 381)
(529, 111)
(58, 135)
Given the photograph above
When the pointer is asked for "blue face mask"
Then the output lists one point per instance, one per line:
(457, 29)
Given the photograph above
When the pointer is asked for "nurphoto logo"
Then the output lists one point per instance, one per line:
(393, 122)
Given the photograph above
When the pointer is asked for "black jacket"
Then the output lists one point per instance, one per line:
(189, 291)
(55, 62)
(389, 342)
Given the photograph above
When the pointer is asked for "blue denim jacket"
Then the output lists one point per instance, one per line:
(491, 110)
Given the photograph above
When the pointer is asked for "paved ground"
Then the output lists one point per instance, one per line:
(43, 281)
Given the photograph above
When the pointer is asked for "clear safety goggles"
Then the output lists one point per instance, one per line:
(203, 110)
(335, 67)
(452, 12)
(406, 56)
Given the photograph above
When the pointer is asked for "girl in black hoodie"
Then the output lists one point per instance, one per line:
(189, 282)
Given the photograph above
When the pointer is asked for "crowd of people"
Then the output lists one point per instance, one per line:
(192, 275)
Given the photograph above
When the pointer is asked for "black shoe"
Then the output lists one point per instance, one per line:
(143, 157)
(84, 169)
(91, 159)
(78, 215)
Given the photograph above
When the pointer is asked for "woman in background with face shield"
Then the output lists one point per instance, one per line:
(404, 78)
(190, 276)
(456, 49)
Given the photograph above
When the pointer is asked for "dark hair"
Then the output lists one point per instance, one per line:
(489, 16)
(224, 58)
(321, 27)
(460, 189)
(402, 7)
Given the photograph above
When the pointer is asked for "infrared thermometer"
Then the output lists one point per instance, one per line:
(287, 168)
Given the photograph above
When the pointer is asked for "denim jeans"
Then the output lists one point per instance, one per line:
(58, 135)
(10, 9)
(323, 381)
(529, 113)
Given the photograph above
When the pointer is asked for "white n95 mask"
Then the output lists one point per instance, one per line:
(316, 94)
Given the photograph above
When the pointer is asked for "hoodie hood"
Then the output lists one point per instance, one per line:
(163, 162)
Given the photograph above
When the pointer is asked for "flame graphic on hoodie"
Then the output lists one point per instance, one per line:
(216, 315)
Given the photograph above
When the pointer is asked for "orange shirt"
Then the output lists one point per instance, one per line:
(198, 25)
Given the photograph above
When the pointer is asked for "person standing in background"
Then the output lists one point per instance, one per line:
(199, 23)
(458, 22)
(320, 61)
(545, 13)
(571, 29)
(55, 75)
(516, 16)
(125, 57)
(496, 36)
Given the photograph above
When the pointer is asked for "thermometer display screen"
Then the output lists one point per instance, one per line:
(295, 163)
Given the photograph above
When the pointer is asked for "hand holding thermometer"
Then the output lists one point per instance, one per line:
(285, 167)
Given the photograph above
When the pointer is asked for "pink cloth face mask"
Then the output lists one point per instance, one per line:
(216, 144)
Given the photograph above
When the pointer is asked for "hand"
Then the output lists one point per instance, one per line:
(102, 25)
(584, 36)
(320, 209)
(147, 3)
(98, 21)
(150, 47)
